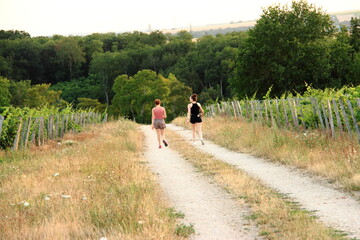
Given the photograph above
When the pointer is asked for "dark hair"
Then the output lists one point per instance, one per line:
(194, 97)
(157, 101)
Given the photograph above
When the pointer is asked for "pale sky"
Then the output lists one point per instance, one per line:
(72, 17)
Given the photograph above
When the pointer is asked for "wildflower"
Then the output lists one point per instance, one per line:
(66, 196)
(56, 174)
(26, 204)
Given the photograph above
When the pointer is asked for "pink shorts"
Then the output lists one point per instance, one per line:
(159, 124)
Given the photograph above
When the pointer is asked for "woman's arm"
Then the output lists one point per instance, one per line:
(201, 109)
(165, 116)
(152, 118)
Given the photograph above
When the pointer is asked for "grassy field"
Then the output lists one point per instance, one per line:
(336, 160)
(91, 185)
(278, 216)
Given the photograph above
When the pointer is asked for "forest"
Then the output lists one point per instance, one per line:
(289, 48)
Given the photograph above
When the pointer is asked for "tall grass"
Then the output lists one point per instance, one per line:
(335, 159)
(91, 185)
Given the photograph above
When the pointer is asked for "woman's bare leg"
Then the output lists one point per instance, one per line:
(158, 132)
(163, 137)
(162, 133)
(193, 131)
(199, 131)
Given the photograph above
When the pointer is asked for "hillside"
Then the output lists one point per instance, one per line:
(339, 18)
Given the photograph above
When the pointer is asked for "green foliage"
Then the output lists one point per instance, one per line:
(19, 92)
(105, 68)
(79, 88)
(184, 230)
(5, 96)
(322, 96)
(209, 95)
(134, 96)
(13, 34)
(287, 46)
(354, 70)
(355, 33)
(177, 99)
(12, 115)
(90, 104)
(40, 95)
(210, 64)
(70, 53)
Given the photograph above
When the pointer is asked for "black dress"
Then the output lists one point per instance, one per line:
(195, 113)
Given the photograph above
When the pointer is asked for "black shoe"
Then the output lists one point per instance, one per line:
(165, 143)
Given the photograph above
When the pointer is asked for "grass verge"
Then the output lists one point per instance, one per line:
(88, 186)
(335, 159)
(278, 216)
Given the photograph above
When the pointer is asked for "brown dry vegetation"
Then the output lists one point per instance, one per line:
(278, 217)
(335, 159)
(102, 189)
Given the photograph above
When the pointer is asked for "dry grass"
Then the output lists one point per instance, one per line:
(337, 160)
(92, 185)
(277, 216)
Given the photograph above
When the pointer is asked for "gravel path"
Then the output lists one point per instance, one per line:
(208, 207)
(335, 208)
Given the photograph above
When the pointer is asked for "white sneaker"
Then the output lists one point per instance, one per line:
(194, 143)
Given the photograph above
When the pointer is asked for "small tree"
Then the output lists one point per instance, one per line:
(5, 96)
(88, 103)
(134, 96)
(18, 91)
(40, 95)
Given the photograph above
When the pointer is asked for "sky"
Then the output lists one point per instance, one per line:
(75, 17)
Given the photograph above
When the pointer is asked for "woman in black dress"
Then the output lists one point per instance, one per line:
(194, 115)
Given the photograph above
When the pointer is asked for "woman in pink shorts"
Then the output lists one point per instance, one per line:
(157, 121)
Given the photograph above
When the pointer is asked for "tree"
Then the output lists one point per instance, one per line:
(105, 68)
(341, 58)
(40, 95)
(210, 63)
(287, 47)
(123, 96)
(19, 91)
(5, 68)
(93, 104)
(178, 97)
(134, 96)
(355, 33)
(354, 70)
(80, 88)
(13, 34)
(70, 53)
(23, 59)
(5, 96)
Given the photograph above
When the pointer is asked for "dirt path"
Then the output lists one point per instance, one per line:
(208, 207)
(333, 207)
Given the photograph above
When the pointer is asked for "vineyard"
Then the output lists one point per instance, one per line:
(24, 127)
(333, 112)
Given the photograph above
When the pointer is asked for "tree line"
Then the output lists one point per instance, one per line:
(289, 46)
